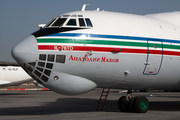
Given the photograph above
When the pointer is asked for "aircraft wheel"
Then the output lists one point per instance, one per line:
(122, 105)
(141, 104)
(132, 104)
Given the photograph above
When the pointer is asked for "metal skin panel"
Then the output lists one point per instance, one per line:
(147, 54)
(68, 84)
(26, 50)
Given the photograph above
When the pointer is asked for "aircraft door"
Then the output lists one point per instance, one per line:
(154, 57)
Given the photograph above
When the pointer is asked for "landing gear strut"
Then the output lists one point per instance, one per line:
(128, 103)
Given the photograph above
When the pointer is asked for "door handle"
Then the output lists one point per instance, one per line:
(146, 63)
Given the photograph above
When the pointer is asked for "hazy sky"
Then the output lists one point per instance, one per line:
(19, 18)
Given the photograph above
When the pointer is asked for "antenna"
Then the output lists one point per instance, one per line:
(84, 7)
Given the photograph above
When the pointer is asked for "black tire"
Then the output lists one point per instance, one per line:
(132, 104)
(125, 106)
(142, 105)
(122, 105)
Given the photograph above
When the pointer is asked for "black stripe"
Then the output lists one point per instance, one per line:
(48, 31)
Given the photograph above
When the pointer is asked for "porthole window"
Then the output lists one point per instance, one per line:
(60, 58)
(51, 58)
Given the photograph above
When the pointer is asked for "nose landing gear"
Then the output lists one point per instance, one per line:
(128, 103)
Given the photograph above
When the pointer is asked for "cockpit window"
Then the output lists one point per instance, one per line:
(88, 22)
(59, 22)
(72, 22)
(50, 22)
(65, 15)
(73, 15)
(81, 22)
(80, 15)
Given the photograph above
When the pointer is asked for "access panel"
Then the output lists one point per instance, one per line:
(154, 57)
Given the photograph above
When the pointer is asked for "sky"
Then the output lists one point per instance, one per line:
(19, 18)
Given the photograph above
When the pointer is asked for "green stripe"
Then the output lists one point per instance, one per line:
(105, 42)
(171, 46)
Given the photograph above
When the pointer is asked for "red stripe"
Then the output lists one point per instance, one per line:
(108, 49)
(15, 89)
(171, 53)
(45, 47)
(21, 88)
(87, 48)
(24, 89)
(45, 89)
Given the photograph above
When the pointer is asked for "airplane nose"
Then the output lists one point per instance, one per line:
(26, 50)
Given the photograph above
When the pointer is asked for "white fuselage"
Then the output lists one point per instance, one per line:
(118, 50)
(13, 75)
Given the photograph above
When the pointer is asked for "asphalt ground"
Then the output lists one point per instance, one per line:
(48, 105)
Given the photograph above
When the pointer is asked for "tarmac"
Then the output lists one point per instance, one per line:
(48, 105)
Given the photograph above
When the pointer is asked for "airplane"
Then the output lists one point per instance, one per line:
(38, 84)
(82, 50)
(12, 76)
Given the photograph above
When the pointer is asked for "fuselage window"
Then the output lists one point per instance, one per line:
(59, 22)
(37, 73)
(88, 22)
(42, 57)
(47, 72)
(60, 58)
(49, 65)
(51, 58)
(44, 78)
(72, 22)
(41, 64)
(40, 69)
(81, 22)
